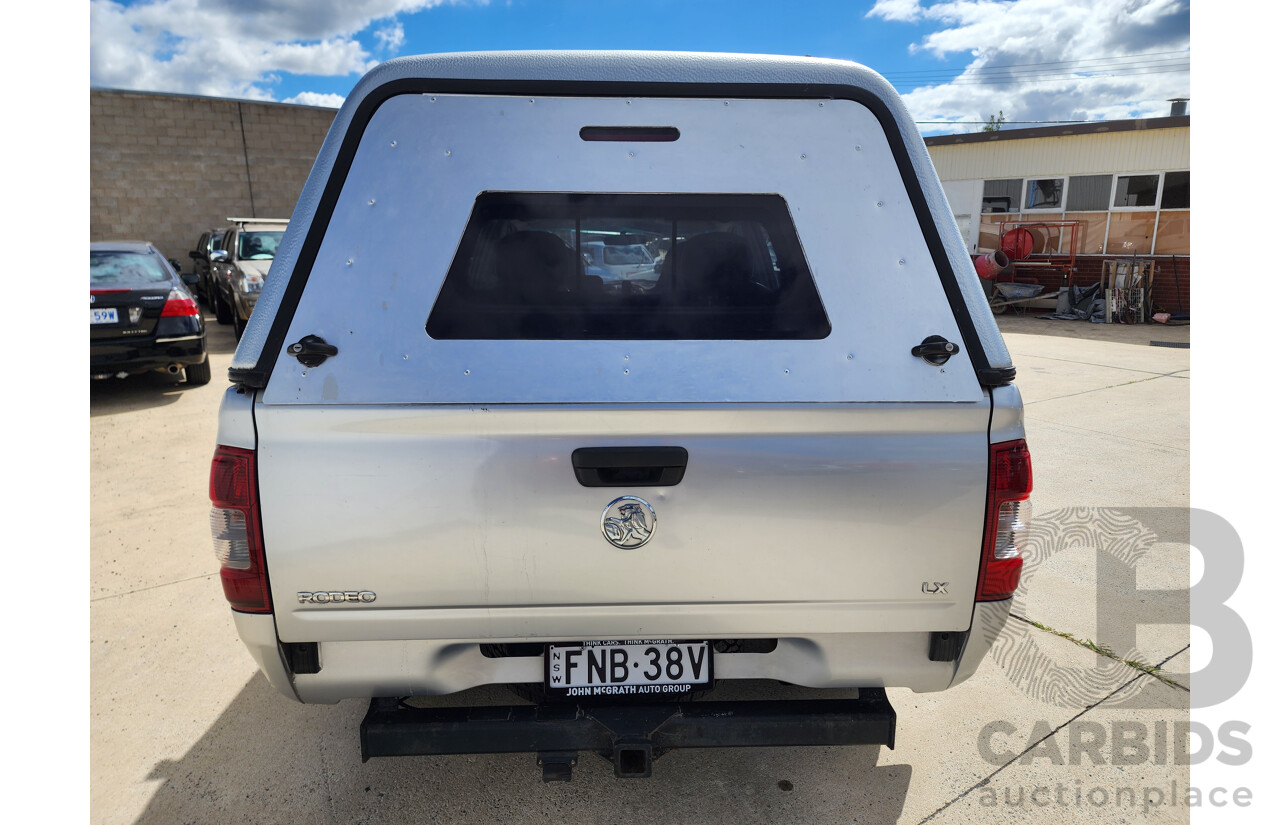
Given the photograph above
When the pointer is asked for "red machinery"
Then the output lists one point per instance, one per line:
(1036, 250)
(1035, 254)
(992, 264)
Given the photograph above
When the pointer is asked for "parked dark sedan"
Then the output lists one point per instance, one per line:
(142, 316)
(210, 241)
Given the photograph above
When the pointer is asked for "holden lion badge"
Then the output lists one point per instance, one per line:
(628, 522)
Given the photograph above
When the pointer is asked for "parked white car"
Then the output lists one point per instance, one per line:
(620, 262)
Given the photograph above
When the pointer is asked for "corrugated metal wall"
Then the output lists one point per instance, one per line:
(1153, 150)
(966, 168)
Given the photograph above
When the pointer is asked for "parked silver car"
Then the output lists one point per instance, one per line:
(239, 268)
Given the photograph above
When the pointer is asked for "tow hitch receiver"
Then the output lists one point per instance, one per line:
(630, 736)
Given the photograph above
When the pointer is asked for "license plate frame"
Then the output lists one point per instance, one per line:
(103, 315)
(691, 665)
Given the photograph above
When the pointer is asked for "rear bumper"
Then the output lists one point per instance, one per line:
(258, 632)
(989, 619)
(368, 669)
(147, 354)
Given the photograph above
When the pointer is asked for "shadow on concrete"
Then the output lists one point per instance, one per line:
(266, 759)
(1135, 334)
(111, 396)
(220, 339)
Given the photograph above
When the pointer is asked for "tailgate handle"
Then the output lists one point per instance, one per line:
(630, 466)
(935, 349)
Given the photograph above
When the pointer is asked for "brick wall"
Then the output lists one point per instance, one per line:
(165, 168)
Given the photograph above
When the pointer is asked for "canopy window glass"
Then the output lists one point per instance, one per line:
(1044, 193)
(617, 267)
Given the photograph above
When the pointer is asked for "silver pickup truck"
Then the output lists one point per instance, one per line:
(784, 449)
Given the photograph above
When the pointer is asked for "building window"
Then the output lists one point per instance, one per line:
(1088, 193)
(1177, 191)
(1044, 193)
(1136, 190)
(1127, 214)
(1091, 234)
(1130, 233)
(1001, 195)
(1173, 236)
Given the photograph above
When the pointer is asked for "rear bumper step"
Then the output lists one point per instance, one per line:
(631, 736)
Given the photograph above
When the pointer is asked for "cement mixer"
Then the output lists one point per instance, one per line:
(992, 264)
(1018, 243)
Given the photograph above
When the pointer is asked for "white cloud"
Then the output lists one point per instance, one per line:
(390, 38)
(328, 57)
(1048, 60)
(231, 48)
(901, 10)
(316, 99)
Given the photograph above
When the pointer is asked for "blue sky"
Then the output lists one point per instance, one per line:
(955, 61)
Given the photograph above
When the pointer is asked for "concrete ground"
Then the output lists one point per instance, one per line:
(185, 730)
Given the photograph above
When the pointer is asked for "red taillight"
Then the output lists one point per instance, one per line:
(178, 305)
(237, 532)
(1008, 514)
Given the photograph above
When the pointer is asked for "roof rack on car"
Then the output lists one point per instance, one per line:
(258, 220)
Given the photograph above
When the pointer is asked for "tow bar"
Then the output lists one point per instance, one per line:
(630, 736)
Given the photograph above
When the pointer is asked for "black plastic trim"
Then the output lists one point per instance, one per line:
(303, 657)
(629, 466)
(258, 376)
(945, 645)
(516, 649)
(996, 376)
(630, 134)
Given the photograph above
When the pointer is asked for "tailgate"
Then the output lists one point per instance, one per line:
(470, 523)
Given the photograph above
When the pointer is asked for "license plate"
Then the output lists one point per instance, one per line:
(654, 666)
(103, 316)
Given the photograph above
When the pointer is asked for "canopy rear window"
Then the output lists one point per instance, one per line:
(626, 266)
